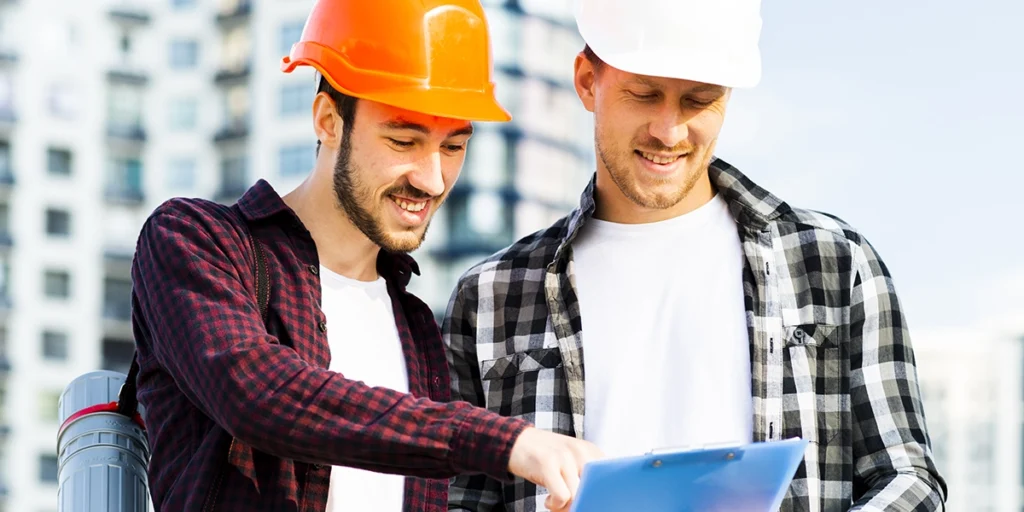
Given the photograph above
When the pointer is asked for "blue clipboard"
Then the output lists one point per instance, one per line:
(752, 478)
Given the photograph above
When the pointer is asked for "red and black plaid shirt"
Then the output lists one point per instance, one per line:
(243, 415)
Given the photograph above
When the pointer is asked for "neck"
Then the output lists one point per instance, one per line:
(340, 245)
(614, 206)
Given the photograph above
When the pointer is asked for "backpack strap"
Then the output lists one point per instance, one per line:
(127, 401)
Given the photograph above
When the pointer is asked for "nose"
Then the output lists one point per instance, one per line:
(669, 126)
(428, 176)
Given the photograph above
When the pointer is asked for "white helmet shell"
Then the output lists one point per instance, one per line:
(709, 41)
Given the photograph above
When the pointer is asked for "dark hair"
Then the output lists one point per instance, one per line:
(346, 107)
(592, 57)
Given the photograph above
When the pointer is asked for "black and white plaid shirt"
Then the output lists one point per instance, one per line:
(831, 358)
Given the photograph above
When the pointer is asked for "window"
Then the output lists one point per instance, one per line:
(118, 354)
(296, 160)
(181, 173)
(296, 99)
(5, 160)
(236, 49)
(125, 106)
(48, 403)
(117, 298)
(5, 282)
(291, 32)
(233, 175)
(183, 113)
(55, 345)
(58, 222)
(48, 469)
(125, 179)
(58, 162)
(184, 54)
(125, 45)
(57, 284)
(478, 219)
(5, 222)
(183, 4)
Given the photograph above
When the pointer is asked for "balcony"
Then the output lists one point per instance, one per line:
(129, 13)
(232, 74)
(233, 15)
(128, 74)
(133, 132)
(124, 195)
(235, 129)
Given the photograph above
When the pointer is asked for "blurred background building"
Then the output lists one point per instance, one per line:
(108, 108)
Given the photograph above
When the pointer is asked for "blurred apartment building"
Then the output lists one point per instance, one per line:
(972, 382)
(109, 108)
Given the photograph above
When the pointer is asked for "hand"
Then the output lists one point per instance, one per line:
(553, 461)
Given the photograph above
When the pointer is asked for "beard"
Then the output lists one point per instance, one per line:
(621, 173)
(357, 202)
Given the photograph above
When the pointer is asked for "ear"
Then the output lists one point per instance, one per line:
(327, 124)
(584, 79)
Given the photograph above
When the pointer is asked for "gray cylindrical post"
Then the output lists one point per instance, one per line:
(102, 456)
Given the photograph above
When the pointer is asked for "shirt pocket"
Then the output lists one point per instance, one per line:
(514, 385)
(815, 385)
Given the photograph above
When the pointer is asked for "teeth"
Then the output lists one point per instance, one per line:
(658, 159)
(412, 207)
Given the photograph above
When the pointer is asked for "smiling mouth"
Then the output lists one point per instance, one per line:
(658, 159)
(410, 206)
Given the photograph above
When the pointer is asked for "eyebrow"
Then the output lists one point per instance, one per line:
(402, 124)
(699, 88)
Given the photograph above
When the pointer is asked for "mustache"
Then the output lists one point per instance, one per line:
(653, 145)
(407, 190)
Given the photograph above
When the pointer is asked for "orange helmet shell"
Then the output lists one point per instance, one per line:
(429, 56)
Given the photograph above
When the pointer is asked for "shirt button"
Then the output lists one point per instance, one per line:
(437, 382)
(314, 270)
(323, 326)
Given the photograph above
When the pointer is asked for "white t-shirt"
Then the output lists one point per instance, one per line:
(364, 346)
(665, 343)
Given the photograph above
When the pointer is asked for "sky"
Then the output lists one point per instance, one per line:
(905, 119)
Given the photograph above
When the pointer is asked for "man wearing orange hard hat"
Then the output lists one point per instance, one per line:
(281, 363)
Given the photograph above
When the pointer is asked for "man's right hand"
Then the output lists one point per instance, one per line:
(553, 461)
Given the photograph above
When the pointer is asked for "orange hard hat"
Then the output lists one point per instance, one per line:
(429, 56)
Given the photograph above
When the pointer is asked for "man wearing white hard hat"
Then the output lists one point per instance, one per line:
(683, 305)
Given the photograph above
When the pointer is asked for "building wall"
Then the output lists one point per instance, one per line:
(159, 98)
(972, 381)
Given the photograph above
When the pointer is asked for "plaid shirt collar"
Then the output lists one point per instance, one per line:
(262, 202)
(751, 205)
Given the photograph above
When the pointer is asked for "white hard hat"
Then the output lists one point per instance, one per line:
(710, 41)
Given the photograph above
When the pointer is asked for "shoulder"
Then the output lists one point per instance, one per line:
(826, 236)
(524, 260)
(195, 217)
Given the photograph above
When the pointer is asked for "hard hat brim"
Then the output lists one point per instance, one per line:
(468, 105)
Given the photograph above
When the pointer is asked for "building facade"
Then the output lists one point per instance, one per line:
(109, 108)
(972, 384)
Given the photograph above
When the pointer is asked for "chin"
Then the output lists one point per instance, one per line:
(403, 241)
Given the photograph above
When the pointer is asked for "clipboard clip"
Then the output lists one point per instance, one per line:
(730, 455)
(694, 447)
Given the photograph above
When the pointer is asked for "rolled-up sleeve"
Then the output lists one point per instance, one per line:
(893, 461)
